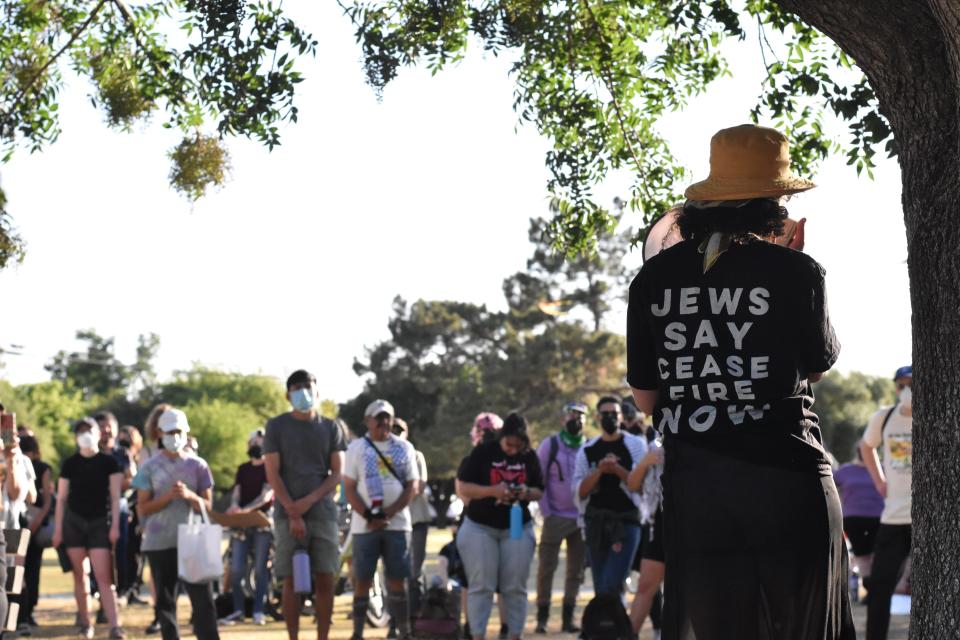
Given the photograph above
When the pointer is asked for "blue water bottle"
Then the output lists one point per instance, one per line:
(516, 521)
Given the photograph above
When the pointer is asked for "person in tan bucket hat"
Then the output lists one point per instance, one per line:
(748, 161)
(727, 329)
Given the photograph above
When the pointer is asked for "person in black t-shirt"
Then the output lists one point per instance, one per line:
(726, 331)
(88, 521)
(250, 493)
(495, 477)
(40, 516)
(609, 511)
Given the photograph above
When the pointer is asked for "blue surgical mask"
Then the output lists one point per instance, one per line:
(302, 400)
(174, 441)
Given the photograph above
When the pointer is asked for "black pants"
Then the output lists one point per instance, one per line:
(891, 548)
(31, 581)
(752, 552)
(163, 567)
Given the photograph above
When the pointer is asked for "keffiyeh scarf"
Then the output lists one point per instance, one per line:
(375, 470)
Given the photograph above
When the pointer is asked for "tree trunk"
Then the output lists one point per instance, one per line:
(910, 51)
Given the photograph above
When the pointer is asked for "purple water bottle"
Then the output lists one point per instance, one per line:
(301, 571)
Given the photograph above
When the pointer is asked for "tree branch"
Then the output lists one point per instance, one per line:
(30, 84)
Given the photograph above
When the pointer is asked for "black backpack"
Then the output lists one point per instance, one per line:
(605, 619)
(439, 615)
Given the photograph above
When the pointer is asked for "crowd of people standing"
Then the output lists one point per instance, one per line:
(726, 502)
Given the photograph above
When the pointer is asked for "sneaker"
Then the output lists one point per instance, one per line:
(117, 633)
(23, 630)
(233, 618)
(87, 632)
(153, 627)
(259, 619)
(136, 601)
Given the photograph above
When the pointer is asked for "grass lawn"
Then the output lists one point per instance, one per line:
(57, 609)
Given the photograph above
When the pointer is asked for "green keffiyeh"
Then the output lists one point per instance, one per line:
(572, 441)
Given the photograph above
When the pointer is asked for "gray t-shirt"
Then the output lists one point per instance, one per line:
(158, 475)
(305, 448)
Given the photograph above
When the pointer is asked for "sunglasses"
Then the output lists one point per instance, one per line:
(397, 430)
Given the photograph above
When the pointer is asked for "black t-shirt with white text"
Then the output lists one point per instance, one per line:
(609, 494)
(729, 350)
(488, 465)
(89, 494)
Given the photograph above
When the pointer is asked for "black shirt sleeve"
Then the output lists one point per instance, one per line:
(66, 469)
(534, 473)
(470, 468)
(641, 345)
(820, 347)
(112, 466)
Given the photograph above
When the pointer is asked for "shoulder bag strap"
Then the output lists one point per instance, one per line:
(385, 461)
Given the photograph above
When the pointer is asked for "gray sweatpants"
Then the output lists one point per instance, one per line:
(492, 558)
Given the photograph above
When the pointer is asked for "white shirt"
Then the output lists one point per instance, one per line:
(897, 441)
(13, 508)
(392, 489)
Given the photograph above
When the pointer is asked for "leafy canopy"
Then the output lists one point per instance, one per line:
(223, 65)
(594, 78)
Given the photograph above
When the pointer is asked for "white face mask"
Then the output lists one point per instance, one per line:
(87, 440)
(906, 397)
(174, 442)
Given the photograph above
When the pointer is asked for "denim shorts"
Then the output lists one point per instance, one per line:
(392, 546)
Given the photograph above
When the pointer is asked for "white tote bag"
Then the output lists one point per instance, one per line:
(198, 548)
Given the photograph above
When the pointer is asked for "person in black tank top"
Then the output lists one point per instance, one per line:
(726, 331)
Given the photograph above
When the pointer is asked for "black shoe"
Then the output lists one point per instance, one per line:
(543, 614)
(392, 630)
(153, 628)
(504, 632)
(134, 600)
(567, 625)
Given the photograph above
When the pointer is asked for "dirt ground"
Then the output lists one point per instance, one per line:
(56, 610)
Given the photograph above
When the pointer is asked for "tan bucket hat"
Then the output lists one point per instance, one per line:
(746, 162)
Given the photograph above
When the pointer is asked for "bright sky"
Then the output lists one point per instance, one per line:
(426, 194)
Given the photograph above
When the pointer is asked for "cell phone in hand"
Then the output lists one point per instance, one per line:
(8, 428)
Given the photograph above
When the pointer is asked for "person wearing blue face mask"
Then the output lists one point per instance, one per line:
(169, 485)
(303, 457)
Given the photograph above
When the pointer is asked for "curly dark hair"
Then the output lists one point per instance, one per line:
(760, 216)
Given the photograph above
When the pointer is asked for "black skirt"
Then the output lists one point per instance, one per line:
(752, 552)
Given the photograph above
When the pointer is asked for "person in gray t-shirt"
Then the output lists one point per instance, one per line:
(303, 456)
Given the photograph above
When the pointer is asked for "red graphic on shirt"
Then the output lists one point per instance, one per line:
(501, 471)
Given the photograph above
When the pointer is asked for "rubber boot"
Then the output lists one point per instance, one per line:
(567, 620)
(543, 614)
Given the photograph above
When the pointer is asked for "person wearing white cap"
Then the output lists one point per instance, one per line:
(251, 492)
(303, 456)
(380, 479)
(169, 485)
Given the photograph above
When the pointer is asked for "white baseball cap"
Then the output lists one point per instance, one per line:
(173, 419)
(377, 407)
